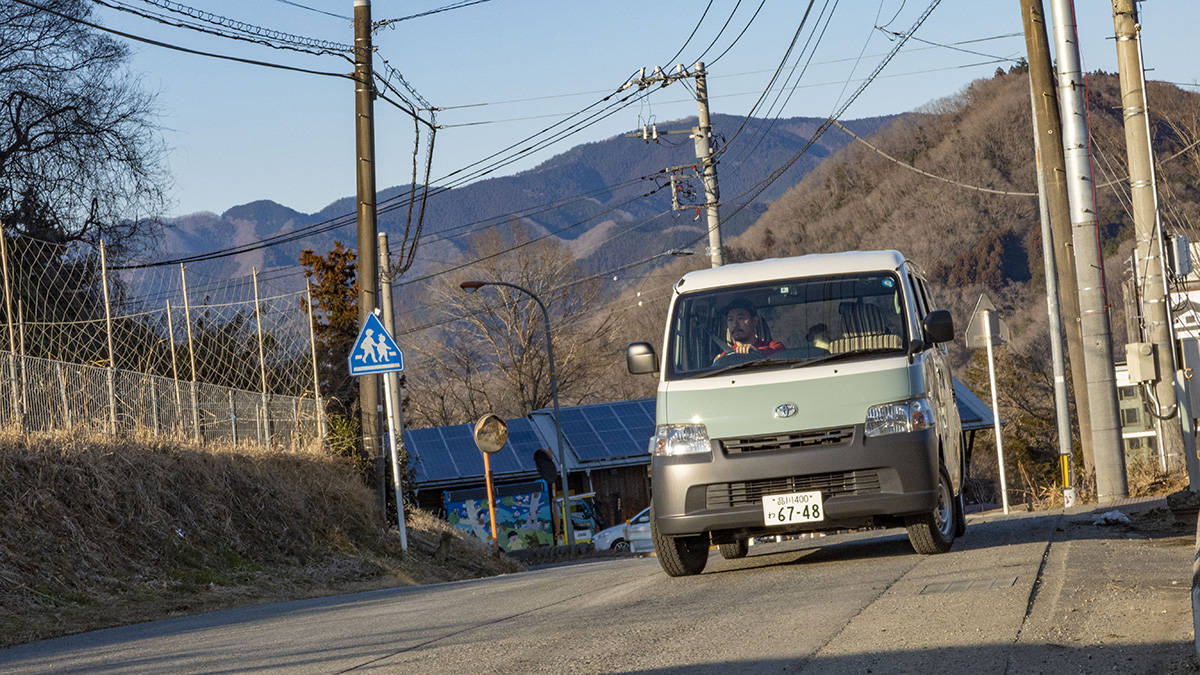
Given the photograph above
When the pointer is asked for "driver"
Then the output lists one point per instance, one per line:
(741, 325)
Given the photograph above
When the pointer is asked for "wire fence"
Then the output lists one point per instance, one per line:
(137, 352)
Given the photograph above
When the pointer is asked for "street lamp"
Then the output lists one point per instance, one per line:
(471, 287)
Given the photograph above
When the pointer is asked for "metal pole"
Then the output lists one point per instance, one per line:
(368, 385)
(23, 410)
(312, 341)
(62, 383)
(1049, 132)
(704, 152)
(562, 446)
(1062, 412)
(174, 371)
(987, 333)
(262, 367)
(1093, 306)
(187, 318)
(112, 363)
(491, 497)
(12, 335)
(391, 389)
(233, 430)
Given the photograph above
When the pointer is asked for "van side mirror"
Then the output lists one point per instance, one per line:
(939, 326)
(640, 358)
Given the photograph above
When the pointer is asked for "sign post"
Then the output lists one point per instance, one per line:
(985, 329)
(375, 352)
(491, 433)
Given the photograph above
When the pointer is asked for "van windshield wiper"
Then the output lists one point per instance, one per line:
(753, 365)
(843, 355)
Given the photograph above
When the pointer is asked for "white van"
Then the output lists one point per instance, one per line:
(798, 395)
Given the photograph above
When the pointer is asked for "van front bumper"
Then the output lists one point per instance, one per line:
(863, 481)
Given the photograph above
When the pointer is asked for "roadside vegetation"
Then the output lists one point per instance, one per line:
(100, 532)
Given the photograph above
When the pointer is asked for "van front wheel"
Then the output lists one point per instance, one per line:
(933, 532)
(679, 556)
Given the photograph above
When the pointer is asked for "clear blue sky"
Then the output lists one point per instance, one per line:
(240, 132)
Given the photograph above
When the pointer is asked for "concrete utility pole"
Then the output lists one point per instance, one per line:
(1151, 277)
(702, 134)
(364, 110)
(1093, 302)
(391, 385)
(1052, 184)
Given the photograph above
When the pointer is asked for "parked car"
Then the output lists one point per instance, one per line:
(637, 533)
(611, 539)
(631, 535)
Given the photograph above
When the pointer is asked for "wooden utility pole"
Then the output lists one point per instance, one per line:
(1048, 127)
(1151, 278)
(368, 275)
(1094, 327)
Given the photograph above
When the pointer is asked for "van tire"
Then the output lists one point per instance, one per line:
(933, 532)
(960, 518)
(679, 556)
(734, 551)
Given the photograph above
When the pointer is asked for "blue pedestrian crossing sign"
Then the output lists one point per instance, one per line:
(374, 350)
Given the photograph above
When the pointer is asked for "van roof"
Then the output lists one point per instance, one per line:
(816, 264)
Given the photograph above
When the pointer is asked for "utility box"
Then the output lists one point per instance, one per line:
(1190, 348)
(1139, 358)
(1179, 255)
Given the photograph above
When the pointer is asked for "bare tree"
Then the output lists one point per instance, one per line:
(80, 152)
(490, 354)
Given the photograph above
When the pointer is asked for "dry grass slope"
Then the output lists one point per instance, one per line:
(97, 532)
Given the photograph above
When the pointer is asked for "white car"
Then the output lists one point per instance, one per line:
(631, 535)
(611, 539)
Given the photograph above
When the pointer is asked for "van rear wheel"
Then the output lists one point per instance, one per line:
(737, 549)
(933, 532)
(679, 556)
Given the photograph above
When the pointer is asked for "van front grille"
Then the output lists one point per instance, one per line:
(729, 495)
(799, 440)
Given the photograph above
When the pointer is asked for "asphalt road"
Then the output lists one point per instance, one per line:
(1027, 593)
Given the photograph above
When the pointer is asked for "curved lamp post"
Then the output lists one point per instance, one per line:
(471, 287)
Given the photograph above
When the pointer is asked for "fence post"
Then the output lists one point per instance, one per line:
(23, 411)
(296, 422)
(232, 419)
(66, 402)
(178, 425)
(112, 362)
(262, 367)
(154, 403)
(312, 340)
(12, 335)
(187, 317)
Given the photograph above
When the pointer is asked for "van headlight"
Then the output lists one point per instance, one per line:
(899, 418)
(670, 440)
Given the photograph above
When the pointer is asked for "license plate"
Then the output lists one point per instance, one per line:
(797, 507)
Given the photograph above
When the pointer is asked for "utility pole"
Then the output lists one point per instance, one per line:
(1151, 277)
(364, 110)
(702, 134)
(1060, 263)
(1093, 308)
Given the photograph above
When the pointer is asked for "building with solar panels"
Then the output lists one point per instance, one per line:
(606, 451)
(606, 454)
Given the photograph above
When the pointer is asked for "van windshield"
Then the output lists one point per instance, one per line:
(786, 323)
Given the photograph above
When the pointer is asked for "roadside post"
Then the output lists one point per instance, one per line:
(374, 353)
(491, 433)
(985, 329)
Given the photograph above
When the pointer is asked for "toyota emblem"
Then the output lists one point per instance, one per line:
(785, 410)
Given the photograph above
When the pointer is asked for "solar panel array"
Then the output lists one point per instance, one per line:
(595, 432)
(450, 453)
(601, 431)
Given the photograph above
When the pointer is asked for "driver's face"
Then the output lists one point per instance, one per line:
(741, 324)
